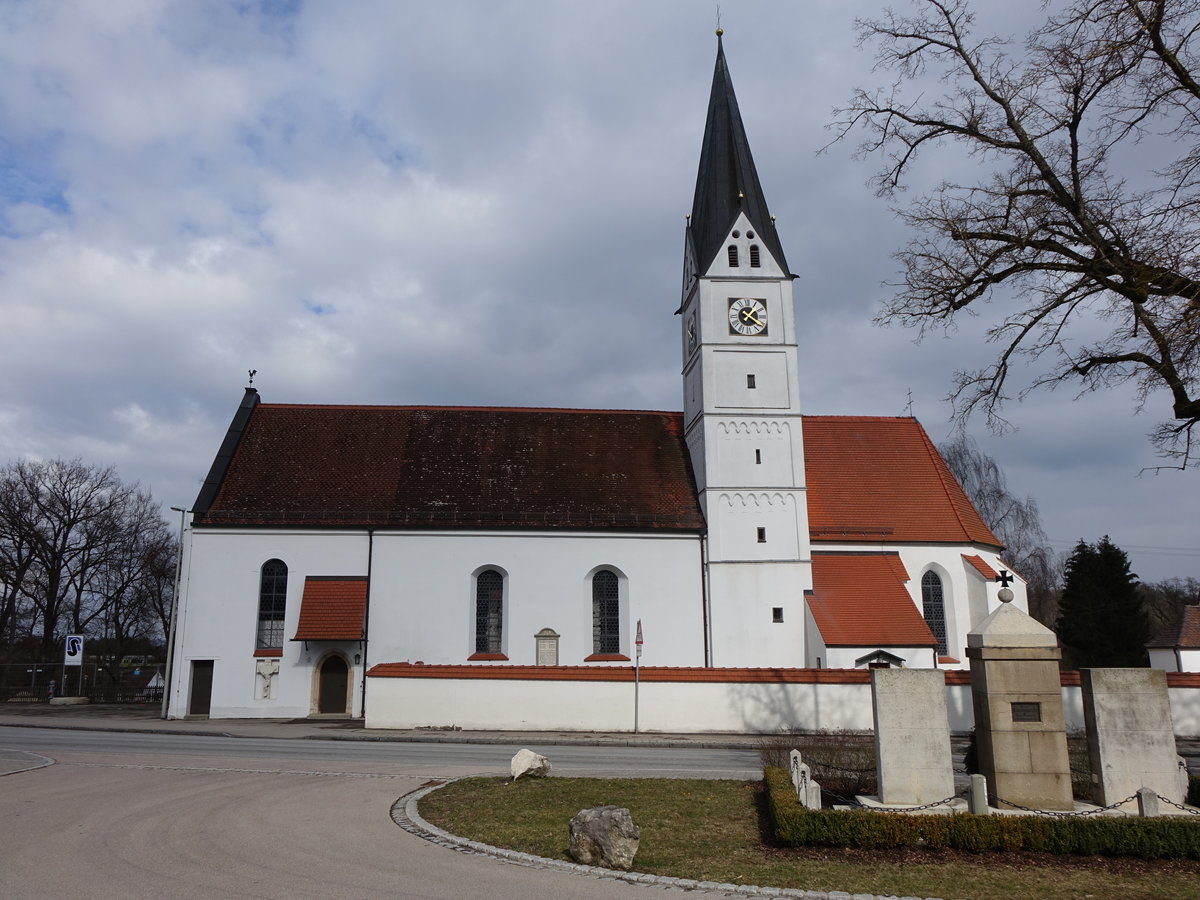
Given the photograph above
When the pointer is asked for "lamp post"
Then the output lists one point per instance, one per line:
(166, 697)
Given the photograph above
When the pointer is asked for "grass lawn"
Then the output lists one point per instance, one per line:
(717, 831)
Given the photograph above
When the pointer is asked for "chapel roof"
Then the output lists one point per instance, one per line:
(874, 478)
(407, 466)
(727, 180)
(1183, 633)
(859, 600)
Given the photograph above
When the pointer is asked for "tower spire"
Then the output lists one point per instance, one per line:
(727, 181)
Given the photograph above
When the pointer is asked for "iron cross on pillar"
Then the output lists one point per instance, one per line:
(1004, 595)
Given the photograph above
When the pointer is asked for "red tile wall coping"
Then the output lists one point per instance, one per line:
(685, 674)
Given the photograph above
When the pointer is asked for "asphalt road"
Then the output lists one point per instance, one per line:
(135, 815)
(436, 760)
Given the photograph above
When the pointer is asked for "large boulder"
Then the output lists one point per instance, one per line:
(526, 762)
(604, 836)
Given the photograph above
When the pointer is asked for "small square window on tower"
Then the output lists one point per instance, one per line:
(758, 457)
(762, 535)
(777, 614)
(750, 382)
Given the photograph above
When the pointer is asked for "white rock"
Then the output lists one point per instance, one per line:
(526, 762)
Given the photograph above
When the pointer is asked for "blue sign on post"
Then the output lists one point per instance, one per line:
(73, 656)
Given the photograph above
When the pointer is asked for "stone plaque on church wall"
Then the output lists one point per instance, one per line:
(547, 647)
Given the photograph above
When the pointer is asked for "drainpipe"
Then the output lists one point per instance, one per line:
(166, 699)
(366, 623)
(706, 613)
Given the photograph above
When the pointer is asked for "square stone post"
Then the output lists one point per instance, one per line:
(1016, 692)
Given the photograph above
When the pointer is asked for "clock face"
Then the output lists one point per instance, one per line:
(747, 316)
(691, 333)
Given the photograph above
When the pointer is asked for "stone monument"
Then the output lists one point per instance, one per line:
(1131, 737)
(1017, 695)
(912, 736)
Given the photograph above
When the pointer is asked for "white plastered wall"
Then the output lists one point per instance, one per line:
(674, 707)
(422, 600)
(422, 603)
(218, 618)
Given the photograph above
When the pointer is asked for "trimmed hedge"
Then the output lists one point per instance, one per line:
(1159, 838)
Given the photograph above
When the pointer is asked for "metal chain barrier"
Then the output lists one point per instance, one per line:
(1186, 809)
(1067, 815)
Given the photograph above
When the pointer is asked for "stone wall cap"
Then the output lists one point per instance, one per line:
(1008, 626)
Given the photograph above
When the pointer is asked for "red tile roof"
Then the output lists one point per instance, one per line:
(447, 466)
(332, 609)
(870, 479)
(881, 479)
(981, 567)
(1183, 633)
(859, 600)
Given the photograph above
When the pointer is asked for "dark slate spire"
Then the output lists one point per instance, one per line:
(727, 182)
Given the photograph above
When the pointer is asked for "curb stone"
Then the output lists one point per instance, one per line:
(405, 814)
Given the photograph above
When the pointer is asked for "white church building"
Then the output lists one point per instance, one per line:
(496, 567)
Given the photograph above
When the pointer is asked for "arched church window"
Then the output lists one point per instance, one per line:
(755, 262)
(272, 603)
(489, 611)
(606, 612)
(733, 256)
(934, 602)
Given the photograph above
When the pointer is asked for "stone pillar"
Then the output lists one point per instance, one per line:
(912, 736)
(1131, 737)
(1017, 695)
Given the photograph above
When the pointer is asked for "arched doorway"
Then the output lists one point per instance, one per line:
(333, 681)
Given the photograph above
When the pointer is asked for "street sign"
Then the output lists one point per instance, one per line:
(639, 640)
(73, 655)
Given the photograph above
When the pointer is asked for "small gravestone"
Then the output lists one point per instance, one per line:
(807, 790)
(604, 836)
(526, 762)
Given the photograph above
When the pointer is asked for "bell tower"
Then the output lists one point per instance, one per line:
(742, 402)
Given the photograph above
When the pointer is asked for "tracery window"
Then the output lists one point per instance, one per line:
(934, 603)
(489, 611)
(606, 612)
(272, 603)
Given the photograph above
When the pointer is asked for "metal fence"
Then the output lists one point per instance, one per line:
(39, 682)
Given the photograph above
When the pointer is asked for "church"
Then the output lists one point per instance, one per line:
(457, 566)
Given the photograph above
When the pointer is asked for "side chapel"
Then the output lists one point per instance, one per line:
(334, 547)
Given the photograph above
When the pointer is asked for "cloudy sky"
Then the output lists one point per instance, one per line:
(467, 203)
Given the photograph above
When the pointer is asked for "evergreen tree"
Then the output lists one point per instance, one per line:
(1101, 621)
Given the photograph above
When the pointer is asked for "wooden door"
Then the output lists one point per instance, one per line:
(334, 680)
(201, 696)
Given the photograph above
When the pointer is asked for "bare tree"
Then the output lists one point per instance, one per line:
(1016, 522)
(1164, 600)
(1083, 219)
(78, 547)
